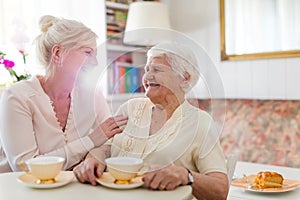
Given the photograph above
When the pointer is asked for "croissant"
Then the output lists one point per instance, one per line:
(268, 180)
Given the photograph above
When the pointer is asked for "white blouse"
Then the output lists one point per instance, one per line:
(187, 139)
(29, 127)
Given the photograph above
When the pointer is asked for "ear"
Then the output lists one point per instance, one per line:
(187, 76)
(186, 80)
(56, 54)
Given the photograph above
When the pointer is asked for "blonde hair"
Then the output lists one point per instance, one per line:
(69, 34)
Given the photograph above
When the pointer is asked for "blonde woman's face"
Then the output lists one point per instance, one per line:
(160, 81)
(77, 58)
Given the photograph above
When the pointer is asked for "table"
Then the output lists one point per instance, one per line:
(252, 168)
(10, 188)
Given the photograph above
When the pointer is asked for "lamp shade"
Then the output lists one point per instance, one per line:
(143, 17)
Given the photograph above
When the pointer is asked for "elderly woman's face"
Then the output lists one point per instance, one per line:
(160, 80)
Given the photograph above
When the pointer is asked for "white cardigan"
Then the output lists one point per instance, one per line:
(187, 139)
(29, 127)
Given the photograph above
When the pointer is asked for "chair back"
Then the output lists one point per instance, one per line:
(230, 164)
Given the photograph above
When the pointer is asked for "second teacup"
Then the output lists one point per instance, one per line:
(45, 168)
(124, 168)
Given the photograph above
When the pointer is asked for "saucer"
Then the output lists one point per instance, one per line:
(63, 178)
(108, 181)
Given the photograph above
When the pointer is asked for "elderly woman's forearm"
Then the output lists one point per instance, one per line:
(212, 186)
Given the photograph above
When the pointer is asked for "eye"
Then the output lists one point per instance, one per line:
(157, 69)
(88, 53)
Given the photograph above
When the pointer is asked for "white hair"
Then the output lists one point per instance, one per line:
(181, 59)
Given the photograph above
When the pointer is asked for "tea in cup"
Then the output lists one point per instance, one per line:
(45, 168)
(124, 169)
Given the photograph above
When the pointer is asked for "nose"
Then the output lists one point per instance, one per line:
(93, 60)
(148, 76)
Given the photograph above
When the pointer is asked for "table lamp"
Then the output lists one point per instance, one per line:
(148, 23)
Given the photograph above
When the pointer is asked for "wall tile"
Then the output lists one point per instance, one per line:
(293, 78)
(244, 77)
(277, 78)
(228, 75)
(259, 79)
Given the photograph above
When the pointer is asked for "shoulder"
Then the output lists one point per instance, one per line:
(201, 121)
(135, 104)
(195, 112)
(138, 101)
(131, 103)
(22, 89)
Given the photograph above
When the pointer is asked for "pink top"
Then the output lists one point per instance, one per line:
(29, 127)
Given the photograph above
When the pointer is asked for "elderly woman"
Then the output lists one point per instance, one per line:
(166, 131)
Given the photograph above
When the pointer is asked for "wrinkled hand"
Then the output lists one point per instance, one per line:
(88, 170)
(114, 125)
(167, 178)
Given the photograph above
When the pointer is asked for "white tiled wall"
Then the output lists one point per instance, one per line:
(293, 78)
(259, 78)
(243, 78)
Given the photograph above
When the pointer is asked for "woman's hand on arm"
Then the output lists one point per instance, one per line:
(114, 125)
(108, 128)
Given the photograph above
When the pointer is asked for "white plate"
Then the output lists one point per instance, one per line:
(63, 178)
(108, 181)
(246, 182)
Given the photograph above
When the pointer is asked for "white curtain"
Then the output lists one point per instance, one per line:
(19, 21)
(262, 25)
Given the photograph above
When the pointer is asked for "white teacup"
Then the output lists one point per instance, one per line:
(45, 168)
(124, 168)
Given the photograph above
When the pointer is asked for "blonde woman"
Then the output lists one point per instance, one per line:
(55, 114)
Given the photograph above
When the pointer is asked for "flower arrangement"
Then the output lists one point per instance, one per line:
(8, 64)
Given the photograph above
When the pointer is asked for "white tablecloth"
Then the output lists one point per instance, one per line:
(11, 189)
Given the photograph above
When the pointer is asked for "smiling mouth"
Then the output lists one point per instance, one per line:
(153, 85)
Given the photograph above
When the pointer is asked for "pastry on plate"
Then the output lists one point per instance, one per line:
(268, 179)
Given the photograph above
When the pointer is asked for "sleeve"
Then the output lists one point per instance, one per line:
(123, 109)
(102, 108)
(209, 157)
(214, 161)
(76, 150)
(15, 119)
(73, 152)
(18, 138)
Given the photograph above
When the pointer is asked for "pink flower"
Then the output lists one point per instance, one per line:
(8, 64)
(23, 55)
